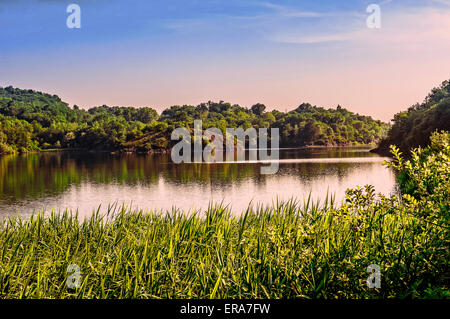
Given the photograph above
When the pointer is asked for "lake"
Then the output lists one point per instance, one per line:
(83, 181)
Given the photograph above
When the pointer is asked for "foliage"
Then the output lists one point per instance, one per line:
(287, 250)
(32, 120)
(425, 179)
(413, 128)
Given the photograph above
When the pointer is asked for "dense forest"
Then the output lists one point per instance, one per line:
(33, 121)
(412, 128)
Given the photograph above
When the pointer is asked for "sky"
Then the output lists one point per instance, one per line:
(281, 53)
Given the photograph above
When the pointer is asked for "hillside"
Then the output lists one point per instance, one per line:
(33, 121)
(413, 127)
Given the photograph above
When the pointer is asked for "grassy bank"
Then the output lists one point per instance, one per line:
(288, 250)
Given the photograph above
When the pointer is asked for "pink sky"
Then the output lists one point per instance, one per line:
(371, 72)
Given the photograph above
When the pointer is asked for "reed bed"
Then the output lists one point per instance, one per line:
(288, 250)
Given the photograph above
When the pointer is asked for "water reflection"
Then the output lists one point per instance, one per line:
(83, 181)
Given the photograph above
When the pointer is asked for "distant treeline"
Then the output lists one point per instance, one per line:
(413, 127)
(33, 121)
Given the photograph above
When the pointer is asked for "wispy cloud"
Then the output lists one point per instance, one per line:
(316, 38)
(185, 25)
(272, 22)
(444, 2)
(292, 25)
(401, 27)
(291, 12)
(276, 13)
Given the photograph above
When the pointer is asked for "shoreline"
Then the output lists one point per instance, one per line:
(168, 150)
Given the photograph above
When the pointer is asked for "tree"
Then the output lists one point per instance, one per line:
(33, 120)
(412, 128)
(258, 109)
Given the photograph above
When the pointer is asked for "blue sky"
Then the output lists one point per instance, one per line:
(160, 53)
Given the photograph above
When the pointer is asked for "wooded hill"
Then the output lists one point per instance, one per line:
(33, 121)
(413, 127)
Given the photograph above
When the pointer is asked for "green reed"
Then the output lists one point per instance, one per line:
(283, 251)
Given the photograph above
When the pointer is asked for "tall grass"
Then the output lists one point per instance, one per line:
(286, 250)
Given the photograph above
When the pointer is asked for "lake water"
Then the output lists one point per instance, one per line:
(83, 181)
